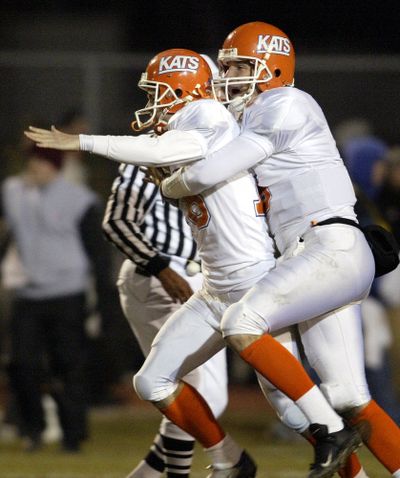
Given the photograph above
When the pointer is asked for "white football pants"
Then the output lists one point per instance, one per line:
(189, 338)
(147, 307)
(319, 285)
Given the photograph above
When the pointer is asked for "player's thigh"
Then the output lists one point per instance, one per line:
(185, 342)
(334, 348)
(333, 269)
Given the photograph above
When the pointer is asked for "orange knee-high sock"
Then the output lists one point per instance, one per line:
(352, 466)
(278, 365)
(190, 412)
(380, 433)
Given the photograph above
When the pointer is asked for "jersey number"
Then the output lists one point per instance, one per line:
(196, 211)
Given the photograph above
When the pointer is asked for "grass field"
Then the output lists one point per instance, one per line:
(121, 435)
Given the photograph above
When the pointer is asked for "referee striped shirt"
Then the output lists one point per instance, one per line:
(142, 226)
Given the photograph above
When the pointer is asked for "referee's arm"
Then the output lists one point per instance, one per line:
(130, 199)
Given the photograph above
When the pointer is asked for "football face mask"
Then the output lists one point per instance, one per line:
(172, 79)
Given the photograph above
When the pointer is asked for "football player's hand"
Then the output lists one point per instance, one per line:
(176, 286)
(53, 138)
(155, 175)
(174, 187)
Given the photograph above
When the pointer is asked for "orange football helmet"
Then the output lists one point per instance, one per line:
(172, 79)
(269, 52)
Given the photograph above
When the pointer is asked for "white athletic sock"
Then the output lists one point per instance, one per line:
(317, 409)
(396, 474)
(224, 454)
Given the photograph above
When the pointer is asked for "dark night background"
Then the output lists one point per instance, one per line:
(314, 26)
(58, 55)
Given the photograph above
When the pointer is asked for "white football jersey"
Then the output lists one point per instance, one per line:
(305, 176)
(227, 220)
(286, 140)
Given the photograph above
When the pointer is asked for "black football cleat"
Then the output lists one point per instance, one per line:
(332, 449)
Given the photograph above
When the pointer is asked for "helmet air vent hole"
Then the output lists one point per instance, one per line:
(178, 92)
(277, 73)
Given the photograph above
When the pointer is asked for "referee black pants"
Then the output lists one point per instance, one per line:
(49, 348)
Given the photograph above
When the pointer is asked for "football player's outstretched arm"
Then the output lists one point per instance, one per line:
(170, 149)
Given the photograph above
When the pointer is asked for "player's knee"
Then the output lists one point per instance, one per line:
(150, 386)
(240, 320)
(344, 396)
(143, 386)
(232, 318)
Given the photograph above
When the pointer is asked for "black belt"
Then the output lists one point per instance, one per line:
(337, 220)
(142, 271)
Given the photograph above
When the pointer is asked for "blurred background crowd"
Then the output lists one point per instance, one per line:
(76, 65)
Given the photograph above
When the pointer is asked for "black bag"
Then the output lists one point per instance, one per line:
(383, 244)
(384, 247)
